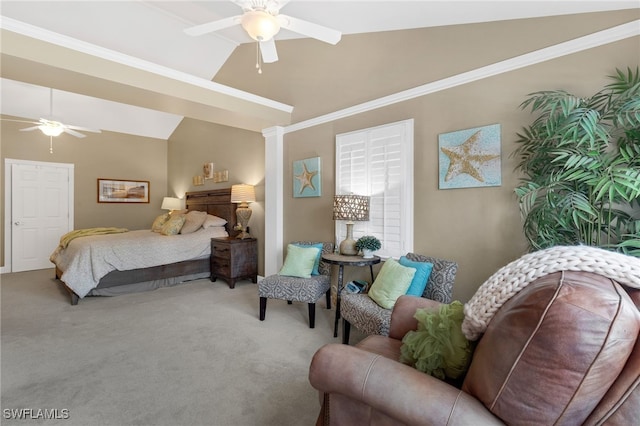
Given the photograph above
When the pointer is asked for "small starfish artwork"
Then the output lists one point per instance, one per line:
(470, 158)
(306, 178)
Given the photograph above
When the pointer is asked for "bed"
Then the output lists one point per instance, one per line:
(80, 278)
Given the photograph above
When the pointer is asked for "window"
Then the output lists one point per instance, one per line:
(378, 162)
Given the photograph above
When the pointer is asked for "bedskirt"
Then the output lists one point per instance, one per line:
(144, 279)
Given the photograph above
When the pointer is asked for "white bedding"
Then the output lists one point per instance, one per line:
(87, 259)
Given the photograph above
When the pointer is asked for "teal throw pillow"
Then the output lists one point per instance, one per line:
(299, 261)
(438, 347)
(392, 281)
(316, 265)
(421, 278)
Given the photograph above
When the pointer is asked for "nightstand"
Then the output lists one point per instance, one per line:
(234, 259)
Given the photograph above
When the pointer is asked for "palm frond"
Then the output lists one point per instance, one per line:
(581, 161)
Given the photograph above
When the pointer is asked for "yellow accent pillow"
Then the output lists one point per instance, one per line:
(392, 281)
(173, 225)
(159, 221)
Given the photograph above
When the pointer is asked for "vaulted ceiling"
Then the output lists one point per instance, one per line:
(128, 66)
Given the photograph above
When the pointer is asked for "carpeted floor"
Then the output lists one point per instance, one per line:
(195, 354)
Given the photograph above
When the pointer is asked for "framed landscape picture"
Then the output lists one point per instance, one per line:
(123, 191)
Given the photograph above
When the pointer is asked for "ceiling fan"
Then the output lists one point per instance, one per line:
(262, 20)
(52, 127)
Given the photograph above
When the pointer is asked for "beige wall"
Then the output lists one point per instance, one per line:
(479, 228)
(105, 155)
(241, 152)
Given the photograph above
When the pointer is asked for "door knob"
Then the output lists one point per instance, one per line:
(16, 222)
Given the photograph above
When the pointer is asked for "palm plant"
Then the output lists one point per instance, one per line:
(581, 162)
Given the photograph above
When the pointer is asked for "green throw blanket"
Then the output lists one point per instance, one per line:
(70, 236)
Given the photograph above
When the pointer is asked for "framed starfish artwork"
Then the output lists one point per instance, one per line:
(307, 178)
(470, 158)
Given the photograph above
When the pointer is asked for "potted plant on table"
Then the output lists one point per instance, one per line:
(581, 165)
(368, 244)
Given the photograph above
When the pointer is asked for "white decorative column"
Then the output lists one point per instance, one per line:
(273, 199)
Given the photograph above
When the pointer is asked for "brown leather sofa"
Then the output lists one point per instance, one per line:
(564, 350)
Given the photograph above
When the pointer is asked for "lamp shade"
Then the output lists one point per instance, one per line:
(171, 203)
(260, 25)
(243, 193)
(350, 207)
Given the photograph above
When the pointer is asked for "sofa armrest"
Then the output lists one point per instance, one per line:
(392, 388)
(402, 320)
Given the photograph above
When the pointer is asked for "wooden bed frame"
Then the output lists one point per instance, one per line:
(216, 202)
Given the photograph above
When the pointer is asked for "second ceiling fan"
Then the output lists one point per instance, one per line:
(262, 20)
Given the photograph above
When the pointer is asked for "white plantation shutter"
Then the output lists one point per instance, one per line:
(378, 162)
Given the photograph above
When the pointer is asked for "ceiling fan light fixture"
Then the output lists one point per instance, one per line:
(260, 25)
(52, 128)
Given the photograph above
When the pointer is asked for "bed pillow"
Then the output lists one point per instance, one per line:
(392, 281)
(421, 278)
(316, 264)
(173, 225)
(159, 221)
(213, 221)
(193, 221)
(299, 261)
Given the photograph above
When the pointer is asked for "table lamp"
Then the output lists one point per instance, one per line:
(243, 194)
(350, 207)
(171, 204)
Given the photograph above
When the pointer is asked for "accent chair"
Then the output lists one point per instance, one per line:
(296, 289)
(359, 310)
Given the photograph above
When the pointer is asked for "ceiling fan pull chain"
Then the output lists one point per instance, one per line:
(50, 144)
(258, 66)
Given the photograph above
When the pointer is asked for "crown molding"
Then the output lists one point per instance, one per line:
(590, 41)
(47, 36)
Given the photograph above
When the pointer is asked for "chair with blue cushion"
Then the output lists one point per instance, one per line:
(294, 284)
(369, 317)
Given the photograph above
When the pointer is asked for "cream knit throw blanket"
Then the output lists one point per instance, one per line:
(513, 277)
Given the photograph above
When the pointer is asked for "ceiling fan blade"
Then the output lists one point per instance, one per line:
(21, 121)
(74, 133)
(84, 129)
(319, 32)
(268, 51)
(28, 129)
(269, 6)
(244, 4)
(212, 26)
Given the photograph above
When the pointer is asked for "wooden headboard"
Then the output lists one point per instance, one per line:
(216, 202)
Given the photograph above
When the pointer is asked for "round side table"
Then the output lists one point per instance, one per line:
(341, 261)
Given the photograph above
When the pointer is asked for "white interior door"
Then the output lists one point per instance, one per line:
(41, 195)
